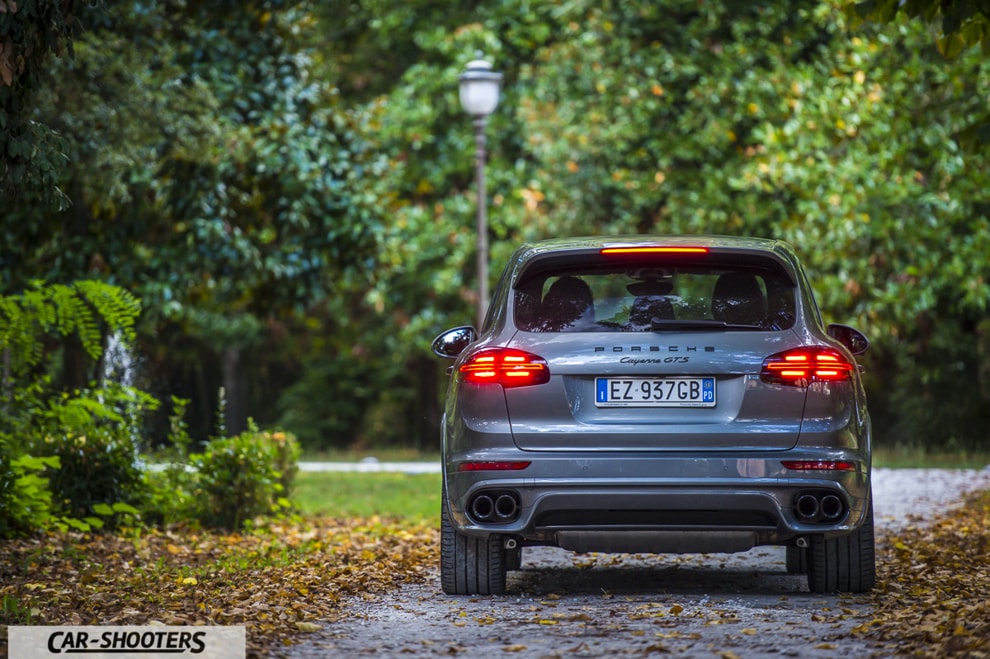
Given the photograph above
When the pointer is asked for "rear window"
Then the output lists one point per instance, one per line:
(647, 299)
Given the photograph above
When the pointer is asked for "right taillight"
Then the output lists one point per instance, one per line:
(801, 366)
(505, 366)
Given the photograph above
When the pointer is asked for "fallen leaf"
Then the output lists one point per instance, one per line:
(308, 626)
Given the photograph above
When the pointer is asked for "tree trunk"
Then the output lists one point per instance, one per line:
(425, 417)
(235, 389)
(75, 364)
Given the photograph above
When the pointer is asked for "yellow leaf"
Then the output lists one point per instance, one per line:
(548, 622)
(308, 626)
(676, 610)
(513, 648)
(188, 581)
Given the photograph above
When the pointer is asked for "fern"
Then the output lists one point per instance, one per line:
(117, 307)
(81, 309)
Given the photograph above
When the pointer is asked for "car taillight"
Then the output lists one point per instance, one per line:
(819, 465)
(802, 366)
(507, 367)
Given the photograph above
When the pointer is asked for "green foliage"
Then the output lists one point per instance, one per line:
(30, 154)
(167, 474)
(960, 24)
(236, 479)
(95, 436)
(81, 309)
(214, 172)
(25, 498)
(69, 459)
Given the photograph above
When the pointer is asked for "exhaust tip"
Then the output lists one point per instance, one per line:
(831, 507)
(506, 507)
(807, 507)
(482, 508)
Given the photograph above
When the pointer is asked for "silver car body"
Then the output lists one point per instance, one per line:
(668, 430)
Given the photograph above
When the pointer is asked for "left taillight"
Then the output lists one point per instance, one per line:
(802, 366)
(505, 366)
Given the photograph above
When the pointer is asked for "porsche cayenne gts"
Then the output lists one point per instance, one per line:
(655, 394)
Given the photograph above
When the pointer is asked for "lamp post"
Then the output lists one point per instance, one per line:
(479, 92)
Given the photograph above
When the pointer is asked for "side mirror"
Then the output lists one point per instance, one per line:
(452, 342)
(851, 338)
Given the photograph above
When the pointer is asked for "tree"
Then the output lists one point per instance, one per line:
(30, 157)
(957, 27)
(213, 175)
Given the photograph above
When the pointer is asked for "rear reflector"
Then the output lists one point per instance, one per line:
(492, 466)
(507, 367)
(805, 365)
(819, 465)
(653, 250)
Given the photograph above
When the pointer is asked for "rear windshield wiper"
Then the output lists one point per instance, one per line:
(682, 325)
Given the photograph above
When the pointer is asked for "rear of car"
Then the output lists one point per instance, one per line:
(655, 395)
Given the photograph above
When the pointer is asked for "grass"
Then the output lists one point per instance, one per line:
(901, 458)
(346, 494)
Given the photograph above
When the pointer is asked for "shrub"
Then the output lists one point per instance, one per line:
(25, 499)
(239, 478)
(170, 478)
(94, 436)
(65, 459)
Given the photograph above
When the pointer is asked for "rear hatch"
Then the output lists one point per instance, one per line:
(684, 392)
(656, 349)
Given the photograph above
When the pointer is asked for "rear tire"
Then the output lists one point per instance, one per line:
(470, 565)
(844, 564)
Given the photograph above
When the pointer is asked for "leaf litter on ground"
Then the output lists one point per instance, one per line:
(291, 578)
(285, 579)
(933, 592)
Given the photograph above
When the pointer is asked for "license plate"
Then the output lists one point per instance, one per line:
(655, 392)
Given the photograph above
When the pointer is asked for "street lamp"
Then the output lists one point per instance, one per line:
(479, 91)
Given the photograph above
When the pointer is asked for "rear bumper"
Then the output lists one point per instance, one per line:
(659, 504)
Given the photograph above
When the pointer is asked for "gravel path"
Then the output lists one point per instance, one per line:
(568, 605)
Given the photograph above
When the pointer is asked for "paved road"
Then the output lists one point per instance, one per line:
(569, 605)
(372, 465)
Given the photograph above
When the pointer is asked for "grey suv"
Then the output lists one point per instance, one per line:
(655, 394)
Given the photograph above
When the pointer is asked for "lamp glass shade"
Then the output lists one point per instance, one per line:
(479, 88)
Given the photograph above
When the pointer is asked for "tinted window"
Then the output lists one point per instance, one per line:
(647, 299)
